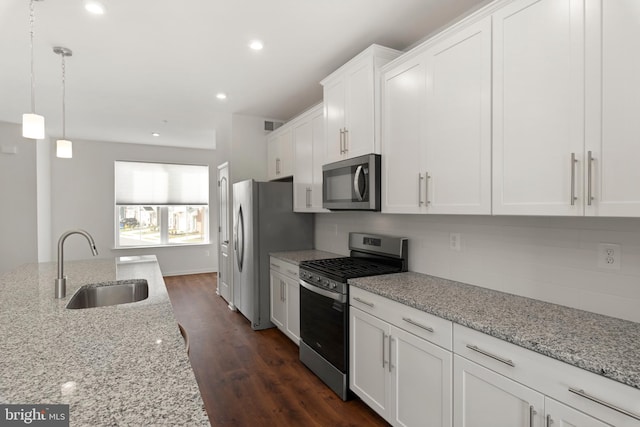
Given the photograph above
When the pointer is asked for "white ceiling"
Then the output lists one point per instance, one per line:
(156, 65)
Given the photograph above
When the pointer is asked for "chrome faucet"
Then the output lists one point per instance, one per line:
(61, 281)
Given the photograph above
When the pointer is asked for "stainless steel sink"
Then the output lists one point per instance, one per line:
(110, 293)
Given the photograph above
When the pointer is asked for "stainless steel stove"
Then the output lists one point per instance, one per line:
(324, 302)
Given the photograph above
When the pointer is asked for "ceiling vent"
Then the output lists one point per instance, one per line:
(269, 125)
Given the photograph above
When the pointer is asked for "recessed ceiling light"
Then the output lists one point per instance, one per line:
(221, 95)
(256, 45)
(94, 6)
(155, 134)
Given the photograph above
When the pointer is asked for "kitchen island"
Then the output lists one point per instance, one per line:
(118, 365)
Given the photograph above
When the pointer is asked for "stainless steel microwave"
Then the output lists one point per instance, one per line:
(352, 184)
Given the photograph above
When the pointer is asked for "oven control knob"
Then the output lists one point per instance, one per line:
(333, 286)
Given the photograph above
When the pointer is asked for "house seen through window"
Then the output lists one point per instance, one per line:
(161, 204)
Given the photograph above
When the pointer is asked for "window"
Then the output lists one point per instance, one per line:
(161, 204)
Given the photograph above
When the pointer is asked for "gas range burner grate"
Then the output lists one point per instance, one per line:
(349, 267)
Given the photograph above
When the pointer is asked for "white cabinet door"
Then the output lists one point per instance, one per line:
(309, 146)
(421, 381)
(334, 105)
(538, 107)
(560, 415)
(292, 304)
(317, 125)
(613, 107)
(280, 154)
(278, 290)
(458, 123)
(485, 398)
(303, 167)
(403, 120)
(359, 137)
(368, 361)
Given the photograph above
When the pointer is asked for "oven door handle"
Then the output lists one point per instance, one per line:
(333, 295)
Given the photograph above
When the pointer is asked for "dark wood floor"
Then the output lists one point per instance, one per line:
(251, 378)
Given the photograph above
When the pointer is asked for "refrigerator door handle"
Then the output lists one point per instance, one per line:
(240, 239)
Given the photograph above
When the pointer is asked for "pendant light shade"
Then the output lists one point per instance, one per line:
(64, 147)
(32, 126)
(32, 123)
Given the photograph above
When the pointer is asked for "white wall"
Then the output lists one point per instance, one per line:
(248, 149)
(548, 258)
(83, 197)
(18, 224)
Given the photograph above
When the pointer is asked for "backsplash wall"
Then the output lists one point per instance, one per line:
(548, 258)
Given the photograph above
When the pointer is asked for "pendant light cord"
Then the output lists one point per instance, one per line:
(32, 15)
(64, 133)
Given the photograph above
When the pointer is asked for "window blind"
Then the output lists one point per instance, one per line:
(140, 183)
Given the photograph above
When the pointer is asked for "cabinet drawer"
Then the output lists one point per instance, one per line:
(285, 268)
(424, 325)
(551, 377)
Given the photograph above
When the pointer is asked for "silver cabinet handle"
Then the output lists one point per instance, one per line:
(419, 325)
(346, 140)
(582, 393)
(284, 292)
(275, 266)
(390, 350)
(341, 140)
(420, 178)
(573, 179)
(384, 362)
(491, 355)
(426, 188)
(308, 194)
(589, 177)
(370, 304)
(277, 166)
(532, 415)
(549, 421)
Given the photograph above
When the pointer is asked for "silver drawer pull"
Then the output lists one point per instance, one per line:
(581, 393)
(419, 325)
(275, 266)
(532, 415)
(493, 356)
(370, 304)
(293, 273)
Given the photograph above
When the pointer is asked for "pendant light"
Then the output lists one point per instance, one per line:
(64, 147)
(32, 123)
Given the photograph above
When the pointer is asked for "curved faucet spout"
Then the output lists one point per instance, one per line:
(61, 281)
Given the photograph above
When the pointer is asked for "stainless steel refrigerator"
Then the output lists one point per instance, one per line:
(263, 222)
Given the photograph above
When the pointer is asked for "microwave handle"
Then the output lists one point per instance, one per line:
(356, 186)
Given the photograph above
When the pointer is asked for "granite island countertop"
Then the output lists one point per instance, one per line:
(600, 344)
(295, 257)
(119, 365)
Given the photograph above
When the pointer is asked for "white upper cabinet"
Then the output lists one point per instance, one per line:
(613, 108)
(280, 154)
(350, 105)
(436, 127)
(538, 108)
(309, 147)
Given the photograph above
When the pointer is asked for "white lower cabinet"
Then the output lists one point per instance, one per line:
(285, 298)
(561, 415)
(404, 378)
(485, 398)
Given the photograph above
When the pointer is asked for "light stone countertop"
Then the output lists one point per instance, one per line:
(295, 257)
(600, 344)
(122, 365)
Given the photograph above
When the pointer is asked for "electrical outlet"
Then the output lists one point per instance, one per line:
(206, 253)
(609, 256)
(455, 242)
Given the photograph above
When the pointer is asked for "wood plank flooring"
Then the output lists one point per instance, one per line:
(253, 378)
